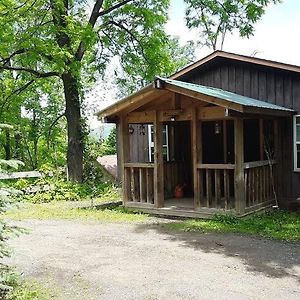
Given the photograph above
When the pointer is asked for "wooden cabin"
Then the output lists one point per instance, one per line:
(220, 136)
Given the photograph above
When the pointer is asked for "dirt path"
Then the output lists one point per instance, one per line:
(143, 261)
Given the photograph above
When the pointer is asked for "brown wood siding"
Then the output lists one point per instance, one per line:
(139, 151)
(272, 85)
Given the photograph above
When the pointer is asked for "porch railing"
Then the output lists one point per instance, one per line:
(259, 182)
(216, 185)
(140, 182)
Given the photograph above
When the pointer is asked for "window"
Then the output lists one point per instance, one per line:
(165, 143)
(297, 143)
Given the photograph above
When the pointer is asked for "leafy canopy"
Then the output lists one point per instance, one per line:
(215, 18)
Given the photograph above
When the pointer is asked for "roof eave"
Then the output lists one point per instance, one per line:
(119, 105)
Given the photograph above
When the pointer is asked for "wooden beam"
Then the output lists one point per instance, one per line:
(179, 115)
(158, 163)
(140, 117)
(195, 152)
(144, 99)
(212, 113)
(124, 158)
(216, 166)
(128, 101)
(203, 97)
(176, 101)
(239, 180)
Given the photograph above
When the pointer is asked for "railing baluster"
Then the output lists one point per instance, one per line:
(217, 188)
(208, 187)
(226, 189)
(142, 185)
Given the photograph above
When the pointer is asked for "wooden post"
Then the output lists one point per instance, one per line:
(239, 180)
(277, 155)
(197, 174)
(261, 139)
(124, 157)
(225, 151)
(158, 162)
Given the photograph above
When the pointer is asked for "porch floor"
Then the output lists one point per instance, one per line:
(179, 203)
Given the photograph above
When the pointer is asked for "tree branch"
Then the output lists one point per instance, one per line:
(31, 71)
(7, 59)
(15, 92)
(107, 11)
(92, 21)
(133, 37)
(52, 125)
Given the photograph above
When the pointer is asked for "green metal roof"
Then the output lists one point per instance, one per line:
(225, 95)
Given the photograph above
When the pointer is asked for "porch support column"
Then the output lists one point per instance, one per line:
(196, 158)
(158, 162)
(239, 179)
(123, 152)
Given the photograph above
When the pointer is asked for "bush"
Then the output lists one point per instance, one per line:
(57, 188)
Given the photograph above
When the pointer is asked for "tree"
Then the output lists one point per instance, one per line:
(109, 145)
(68, 41)
(5, 229)
(215, 18)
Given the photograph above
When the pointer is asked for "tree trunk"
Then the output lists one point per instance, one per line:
(7, 145)
(75, 137)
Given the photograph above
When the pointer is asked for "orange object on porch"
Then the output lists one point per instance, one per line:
(179, 191)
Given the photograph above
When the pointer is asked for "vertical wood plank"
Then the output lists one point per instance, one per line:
(158, 162)
(124, 152)
(143, 185)
(261, 139)
(136, 185)
(195, 147)
(208, 187)
(225, 141)
(246, 186)
(226, 188)
(217, 198)
(150, 185)
(239, 179)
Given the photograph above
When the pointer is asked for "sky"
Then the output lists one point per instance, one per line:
(276, 37)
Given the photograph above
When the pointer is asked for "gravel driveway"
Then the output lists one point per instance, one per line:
(143, 261)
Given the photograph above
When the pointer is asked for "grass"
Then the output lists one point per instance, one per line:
(276, 225)
(69, 211)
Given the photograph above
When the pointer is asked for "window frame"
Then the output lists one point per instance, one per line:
(295, 142)
(151, 142)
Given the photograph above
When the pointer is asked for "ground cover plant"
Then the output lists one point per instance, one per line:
(279, 225)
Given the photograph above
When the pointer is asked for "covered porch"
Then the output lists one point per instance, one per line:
(218, 147)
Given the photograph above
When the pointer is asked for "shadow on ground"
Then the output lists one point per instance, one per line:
(260, 255)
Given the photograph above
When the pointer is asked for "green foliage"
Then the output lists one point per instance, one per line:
(215, 19)
(22, 290)
(92, 172)
(278, 225)
(5, 230)
(109, 145)
(59, 189)
(42, 40)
